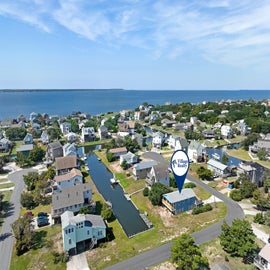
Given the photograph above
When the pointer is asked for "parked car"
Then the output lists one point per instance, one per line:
(42, 214)
(42, 221)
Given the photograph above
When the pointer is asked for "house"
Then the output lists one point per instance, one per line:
(117, 152)
(218, 168)
(65, 127)
(137, 115)
(81, 232)
(25, 149)
(141, 169)
(208, 134)
(127, 127)
(5, 145)
(243, 128)
(226, 132)
(45, 138)
(71, 198)
(33, 116)
(261, 144)
(71, 137)
(53, 151)
(65, 164)
(158, 174)
(21, 118)
(262, 261)
(129, 157)
(103, 132)
(167, 123)
(28, 139)
(195, 151)
(69, 149)
(193, 120)
(88, 134)
(177, 202)
(252, 170)
(36, 128)
(158, 139)
(178, 143)
(139, 138)
(72, 178)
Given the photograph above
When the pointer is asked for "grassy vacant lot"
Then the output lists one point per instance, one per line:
(39, 258)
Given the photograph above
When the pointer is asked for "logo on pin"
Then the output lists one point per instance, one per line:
(180, 166)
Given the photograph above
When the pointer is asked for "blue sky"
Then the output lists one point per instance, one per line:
(132, 44)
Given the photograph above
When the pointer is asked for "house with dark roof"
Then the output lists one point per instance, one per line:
(103, 132)
(71, 198)
(141, 169)
(81, 232)
(117, 152)
(54, 150)
(65, 164)
(177, 202)
(158, 174)
(195, 151)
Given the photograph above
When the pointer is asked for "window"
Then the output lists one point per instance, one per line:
(88, 232)
(100, 233)
(69, 241)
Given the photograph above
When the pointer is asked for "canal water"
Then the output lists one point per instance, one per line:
(123, 209)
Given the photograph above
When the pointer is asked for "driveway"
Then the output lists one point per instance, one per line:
(77, 262)
(6, 237)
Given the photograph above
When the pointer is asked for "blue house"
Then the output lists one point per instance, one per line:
(81, 232)
(179, 202)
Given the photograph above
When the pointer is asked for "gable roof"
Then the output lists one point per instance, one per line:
(265, 252)
(176, 196)
(65, 162)
(67, 176)
(161, 171)
(118, 150)
(216, 164)
(145, 165)
(54, 145)
(69, 196)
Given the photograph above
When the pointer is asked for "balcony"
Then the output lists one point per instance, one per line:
(261, 264)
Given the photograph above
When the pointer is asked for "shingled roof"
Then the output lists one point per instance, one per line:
(62, 163)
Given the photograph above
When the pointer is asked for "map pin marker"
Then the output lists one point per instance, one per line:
(180, 166)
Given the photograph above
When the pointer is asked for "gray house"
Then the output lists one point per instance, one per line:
(218, 168)
(158, 174)
(53, 150)
(141, 169)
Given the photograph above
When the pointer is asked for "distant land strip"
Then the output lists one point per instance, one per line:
(56, 90)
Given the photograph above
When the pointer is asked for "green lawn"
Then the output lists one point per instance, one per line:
(41, 257)
(6, 185)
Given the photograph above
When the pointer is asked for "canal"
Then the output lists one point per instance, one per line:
(123, 209)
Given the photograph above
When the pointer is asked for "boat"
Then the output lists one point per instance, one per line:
(113, 180)
(108, 203)
(99, 159)
(216, 156)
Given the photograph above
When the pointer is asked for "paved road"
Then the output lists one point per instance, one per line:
(6, 237)
(162, 253)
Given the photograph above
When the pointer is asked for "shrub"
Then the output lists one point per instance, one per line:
(146, 192)
(259, 218)
(236, 195)
(201, 209)
(189, 185)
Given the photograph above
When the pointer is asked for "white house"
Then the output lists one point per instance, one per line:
(69, 149)
(45, 138)
(88, 134)
(226, 132)
(158, 174)
(65, 127)
(158, 139)
(129, 157)
(218, 168)
(195, 151)
(103, 132)
(71, 137)
(262, 261)
(177, 143)
(70, 179)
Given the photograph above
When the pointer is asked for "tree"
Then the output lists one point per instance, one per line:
(14, 134)
(37, 154)
(224, 159)
(146, 192)
(262, 155)
(247, 188)
(239, 239)
(258, 218)
(30, 180)
(267, 218)
(236, 195)
(204, 173)
(157, 190)
(23, 233)
(28, 200)
(124, 165)
(260, 200)
(186, 254)
(84, 210)
(110, 156)
(107, 213)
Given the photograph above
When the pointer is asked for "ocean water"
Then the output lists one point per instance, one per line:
(63, 102)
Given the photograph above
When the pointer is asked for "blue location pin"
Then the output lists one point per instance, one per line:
(180, 166)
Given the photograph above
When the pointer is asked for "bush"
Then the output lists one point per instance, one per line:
(236, 195)
(189, 185)
(201, 209)
(259, 218)
(146, 192)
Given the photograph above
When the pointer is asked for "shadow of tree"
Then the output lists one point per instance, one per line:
(39, 239)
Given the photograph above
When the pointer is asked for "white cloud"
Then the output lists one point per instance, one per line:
(223, 31)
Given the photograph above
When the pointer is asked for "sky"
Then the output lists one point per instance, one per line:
(135, 44)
